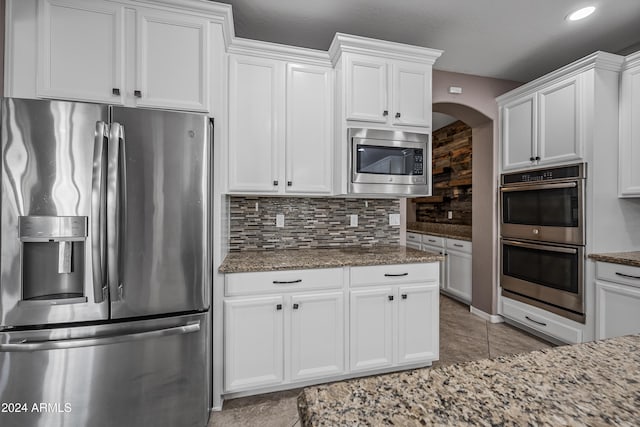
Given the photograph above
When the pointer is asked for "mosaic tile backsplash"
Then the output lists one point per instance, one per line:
(310, 223)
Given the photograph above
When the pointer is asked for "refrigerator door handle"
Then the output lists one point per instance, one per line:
(98, 212)
(116, 138)
(89, 342)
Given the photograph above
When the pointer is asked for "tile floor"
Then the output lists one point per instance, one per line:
(463, 337)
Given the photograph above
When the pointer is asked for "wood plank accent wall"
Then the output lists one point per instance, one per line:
(452, 151)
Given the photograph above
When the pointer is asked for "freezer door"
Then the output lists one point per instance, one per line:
(158, 212)
(53, 177)
(144, 373)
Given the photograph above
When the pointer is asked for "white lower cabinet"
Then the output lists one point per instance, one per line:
(459, 270)
(617, 300)
(418, 327)
(253, 342)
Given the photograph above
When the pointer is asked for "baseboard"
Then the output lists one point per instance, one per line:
(491, 318)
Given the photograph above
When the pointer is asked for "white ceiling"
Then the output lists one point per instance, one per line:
(508, 39)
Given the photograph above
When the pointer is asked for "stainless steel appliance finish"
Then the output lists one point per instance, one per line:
(544, 204)
(389, 162)
(548, 276)
(543, 238)
(105, 266)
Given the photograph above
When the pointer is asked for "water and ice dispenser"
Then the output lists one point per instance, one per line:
(52, 257)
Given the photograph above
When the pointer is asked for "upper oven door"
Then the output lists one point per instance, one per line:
(378, 161)
(549, 212)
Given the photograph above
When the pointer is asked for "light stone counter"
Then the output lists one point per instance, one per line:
(591, 384)
(625, 258)
(299, 259)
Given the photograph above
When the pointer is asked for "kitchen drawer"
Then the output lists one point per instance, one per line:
(542, 321)
(459, 245)
(433, 240)
(414, 238)
(394, 274)
(263, 282)
(618, 273)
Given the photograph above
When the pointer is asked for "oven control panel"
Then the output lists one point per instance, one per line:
(537, 175)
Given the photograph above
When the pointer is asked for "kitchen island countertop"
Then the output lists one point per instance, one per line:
(299, 259)
(625, 258)
(595, 383)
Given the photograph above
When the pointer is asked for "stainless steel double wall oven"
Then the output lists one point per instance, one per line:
(543, 238)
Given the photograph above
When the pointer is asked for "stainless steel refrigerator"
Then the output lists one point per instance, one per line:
(105, 268)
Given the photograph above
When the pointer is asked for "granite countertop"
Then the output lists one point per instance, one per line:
(624, 258)
(453, 231)
(298, 259)
(596, 383)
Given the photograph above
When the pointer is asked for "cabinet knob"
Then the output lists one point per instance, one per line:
(531, 159)
(289, 183)
(537, 157)
(397, 115)
(385, 113)
(275, 182)
(137, 94)
(404, 296)
(279, 307)
(295, 306)
(390, 297)
(115, 91)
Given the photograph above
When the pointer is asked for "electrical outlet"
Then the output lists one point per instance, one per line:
(394, 219)
(449, 214)
(353, 220)
(280, 220)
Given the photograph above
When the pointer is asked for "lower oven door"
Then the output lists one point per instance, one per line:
(548, 276)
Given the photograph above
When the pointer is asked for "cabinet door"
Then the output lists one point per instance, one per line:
(308, 136)
(80, 50)
(559, 128)
(255, 100)
(253, 342)
(411, 95)
(366, 89)
(371, 341)
(629, 182)
(418, 323)
(518, 133)
(459, 275)
(317, 335)
(617, 310)
(172, 61)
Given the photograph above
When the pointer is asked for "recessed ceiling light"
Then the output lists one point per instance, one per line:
(581, 13)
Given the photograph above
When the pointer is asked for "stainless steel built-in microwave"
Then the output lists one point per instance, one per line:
(389, 162)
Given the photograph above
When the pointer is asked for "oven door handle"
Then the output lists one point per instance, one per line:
(541, 247)
(539, 187)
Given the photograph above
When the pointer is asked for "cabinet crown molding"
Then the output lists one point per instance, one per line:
(598, 60)
(631, 60)
(356, 44)
(280, 52)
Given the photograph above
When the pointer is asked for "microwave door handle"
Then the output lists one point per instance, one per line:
(541, 247)
(539, 187)
(98, 212)
(116, 137)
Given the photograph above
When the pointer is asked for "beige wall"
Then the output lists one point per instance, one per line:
(477, 107)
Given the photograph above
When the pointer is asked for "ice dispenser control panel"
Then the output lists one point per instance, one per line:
(53, 228)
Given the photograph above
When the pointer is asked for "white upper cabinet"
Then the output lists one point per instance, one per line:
(80, 50)
(172, 61)
(308, 129)
(366, 89)
(255, 104)
(114, 52)
(388, 92)
(280, 126)
(559, 126)
(629, 178)
(543, 127)
(411, 93)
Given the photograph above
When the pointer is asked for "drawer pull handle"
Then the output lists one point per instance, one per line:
(535, 321)
(286, 282)
(390, 297)
(627, 275)
(458, 245)
(431, 240)
(395, 275)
